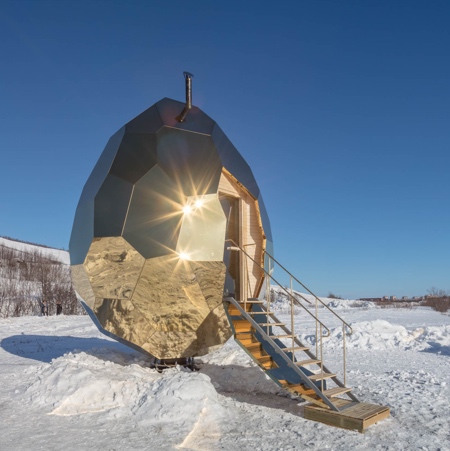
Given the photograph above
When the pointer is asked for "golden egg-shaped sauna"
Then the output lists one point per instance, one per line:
(152, 243)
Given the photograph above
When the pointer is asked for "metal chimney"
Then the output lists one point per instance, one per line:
(182, 116)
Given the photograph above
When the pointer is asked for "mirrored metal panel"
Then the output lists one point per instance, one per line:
(121, 318)
(113, 267)
(83, 227)
(149, 121)
(155, 214)
(82, 284)
(196, 121)
(111, 206)
(202, 231)
(232, 161)
(135, 157)
(190, 159)
(147, 245)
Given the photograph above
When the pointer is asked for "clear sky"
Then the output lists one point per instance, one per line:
(342, 110)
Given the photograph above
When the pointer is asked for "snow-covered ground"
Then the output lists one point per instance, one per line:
(48, 252)
(66, 386)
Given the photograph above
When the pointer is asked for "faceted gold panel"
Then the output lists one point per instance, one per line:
(155, 214)
(82, 285)
(113, 267)
(203, 229)
(121, 318)
(147, 244)
(210, 277)
(214, 331)
(168, 295)
(174, 344)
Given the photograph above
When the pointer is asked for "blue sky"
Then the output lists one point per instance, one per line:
(342, 109)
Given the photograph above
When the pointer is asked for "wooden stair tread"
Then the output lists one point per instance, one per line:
(253, 301)
(295, 348)
(336, 391)
(244, 335)
(282, 336)
(253, 345)
(261, 313)
(320, 376)
(272, 324)
(235, 312)
(357, 415)
(237, 322)
(263, 358)
(242, 326)
(307, 362)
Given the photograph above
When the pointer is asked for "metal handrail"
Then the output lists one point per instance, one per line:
(297, 302)
(283, 355)
(237, 247)
(304, 286)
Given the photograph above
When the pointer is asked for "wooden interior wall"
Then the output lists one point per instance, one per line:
(251, 230)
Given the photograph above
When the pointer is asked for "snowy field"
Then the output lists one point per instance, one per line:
(66, 386)
(48, 252)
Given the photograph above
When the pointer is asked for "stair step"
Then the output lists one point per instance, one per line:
(254, 346)
(251, 301)
(272, 324)
(261, 313)
(336, 391)
(242, 325)
(263, 358)
(240, 330)
(320, 376)
(268, 365)
(299, 388)
(307, 362)
(296, 348)
(248, 343)
(283, 336)
(245, 336)
(234, 311)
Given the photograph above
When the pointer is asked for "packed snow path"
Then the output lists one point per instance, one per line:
(66, 386)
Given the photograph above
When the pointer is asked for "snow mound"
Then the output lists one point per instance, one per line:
(382, 335)
(281, 301)
(77, 384)
(340, 304)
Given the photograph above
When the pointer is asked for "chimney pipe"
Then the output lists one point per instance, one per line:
(182, 116)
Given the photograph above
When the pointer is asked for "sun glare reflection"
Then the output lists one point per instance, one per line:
(187, 209)
(193, 205)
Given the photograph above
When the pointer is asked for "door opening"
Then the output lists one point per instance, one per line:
(232, 259)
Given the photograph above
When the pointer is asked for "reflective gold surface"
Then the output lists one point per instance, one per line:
(113, 267)
(202, 231)
(167, 306)
(82, 285)
(147, 245)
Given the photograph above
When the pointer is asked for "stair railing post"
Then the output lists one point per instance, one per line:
(317, 328)
(345, 355)
(244, 281)
(292, 319)
(321, 356)
(268, 300)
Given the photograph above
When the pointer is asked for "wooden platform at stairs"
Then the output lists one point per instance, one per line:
(357, 416)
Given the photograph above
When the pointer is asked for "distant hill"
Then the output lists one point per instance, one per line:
(31, 276)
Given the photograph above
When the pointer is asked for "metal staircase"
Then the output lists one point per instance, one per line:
(291, 364)
(254, 331)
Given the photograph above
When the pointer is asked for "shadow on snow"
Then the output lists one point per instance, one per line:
(45, 348)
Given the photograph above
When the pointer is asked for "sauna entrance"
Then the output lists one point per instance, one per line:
(232, 259)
